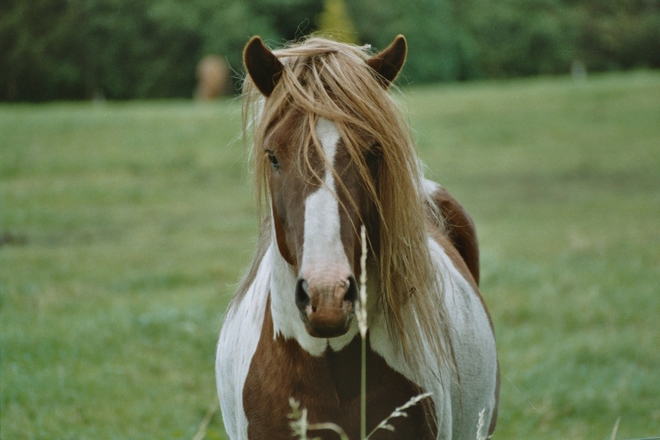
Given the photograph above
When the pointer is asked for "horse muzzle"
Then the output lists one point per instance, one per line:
(326, 308)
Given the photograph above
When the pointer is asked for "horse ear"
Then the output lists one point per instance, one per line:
(262, 65)
(389, 62)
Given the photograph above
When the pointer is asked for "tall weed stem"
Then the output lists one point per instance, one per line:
(362, 323)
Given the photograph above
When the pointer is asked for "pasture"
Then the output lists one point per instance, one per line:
(124, 228)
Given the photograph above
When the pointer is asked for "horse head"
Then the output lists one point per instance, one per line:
(321, 169)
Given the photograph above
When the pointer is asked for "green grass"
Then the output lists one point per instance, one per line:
(126, 227)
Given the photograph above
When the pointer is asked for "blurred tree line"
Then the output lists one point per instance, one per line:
(121, 49)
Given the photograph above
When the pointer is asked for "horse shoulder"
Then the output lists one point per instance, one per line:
(457, 245)
(476, 385)
(237, 345)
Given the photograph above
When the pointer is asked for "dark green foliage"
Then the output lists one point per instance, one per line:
(73, 49)
(439, 50)
(81, 49)
(464, 39)
(522, 37)
(290, 19)
(519, 37)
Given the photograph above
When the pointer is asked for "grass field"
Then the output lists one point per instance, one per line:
(124, 228)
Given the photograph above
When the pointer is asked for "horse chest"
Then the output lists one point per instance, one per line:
(327, 386)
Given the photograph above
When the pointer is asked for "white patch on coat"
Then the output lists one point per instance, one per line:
(239, 337)
(457, 411)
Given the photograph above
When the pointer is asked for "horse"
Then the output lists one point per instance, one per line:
(212, 78)
(332, 152)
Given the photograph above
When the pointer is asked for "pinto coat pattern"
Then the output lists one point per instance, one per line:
(332, 152)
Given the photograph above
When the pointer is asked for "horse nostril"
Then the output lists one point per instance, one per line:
(302, 297)
(352, 292)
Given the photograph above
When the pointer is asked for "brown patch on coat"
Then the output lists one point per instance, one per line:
(460, 230)
(328, 386)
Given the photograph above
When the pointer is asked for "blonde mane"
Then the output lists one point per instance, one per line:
(323, 78)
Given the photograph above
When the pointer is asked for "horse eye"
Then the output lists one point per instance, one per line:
(372, 155)
(273, 160)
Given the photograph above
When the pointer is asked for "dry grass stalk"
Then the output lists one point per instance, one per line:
(398, 412)
(300, 425)
(204, 424)
(615, 429)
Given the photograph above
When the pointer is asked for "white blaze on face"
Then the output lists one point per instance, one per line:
(323, 259)
(323, 250)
